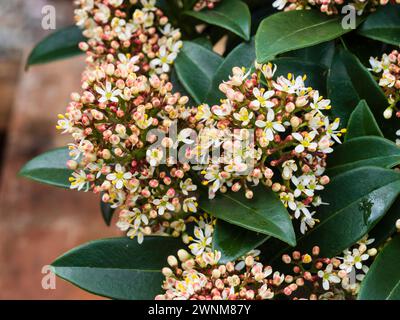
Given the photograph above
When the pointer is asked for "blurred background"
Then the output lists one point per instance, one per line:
(37, 222)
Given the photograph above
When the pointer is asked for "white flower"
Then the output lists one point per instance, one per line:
(307, 221)
(187, 186)
(203, 239)
(119, 177)
(289, 85)
(163, 204)
(279, 4)
(262, 98)
(268, 70)
(387, 80)
(108, 94)
(328, 277)
(128, 63)
(243, 116)
(184, 136)
(190, 204)
(319, 103)
(301, 184)
(79, 180)
(65, 123)
(270, 125)
(203, 113)
(148, 5)
(331, 129)
(288, 200)
(301, 208)
(161, 64)
(154, 156)
(305, 142)
(289, 167)
(213, 175)
(222, 110)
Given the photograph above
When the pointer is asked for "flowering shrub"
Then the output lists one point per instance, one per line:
(328, 6)
(200, 276)
(387, 72)
(254, 174)
(291, 139)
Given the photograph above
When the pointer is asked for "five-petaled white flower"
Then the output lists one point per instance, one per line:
(203, 239)
(328, 277)
(119, 177)
(164, 60)
(262, 98)
(270, 125)
(319, 103)
(305, 142)
(108, 94)
(163, 204)
(243, 116)
(79, 180)
(187, 186)
(154, 156)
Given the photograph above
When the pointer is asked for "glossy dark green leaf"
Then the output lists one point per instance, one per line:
(382, 281)
(233, 15)
(387, 226)
(357, 199)
(349, 82)
(118, 268)
(243, 55)
(49, 168)
(383, 25)
(287, 31)
(319, 54)
(233, 241)
(195, 67)
(316, 74)
(363, 151)
(362, 123)
(107, 212)
(58, 45)
(264, 213)
(203, 41)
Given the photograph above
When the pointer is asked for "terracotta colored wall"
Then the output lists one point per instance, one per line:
(37, 222)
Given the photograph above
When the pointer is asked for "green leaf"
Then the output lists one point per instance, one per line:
(382, 281)
(320, 54)
(264, 213)
(205, 42)
(383, 25)
(107, 212)
(49, 168)
(349, 82)
(243, 55)
(234, 242)
(362, 123)
(231, 15)
(118, 268)
(387, 226)
(361, 152)
(195, 67)
(357, 199)
(287, 31)
(58, 45)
